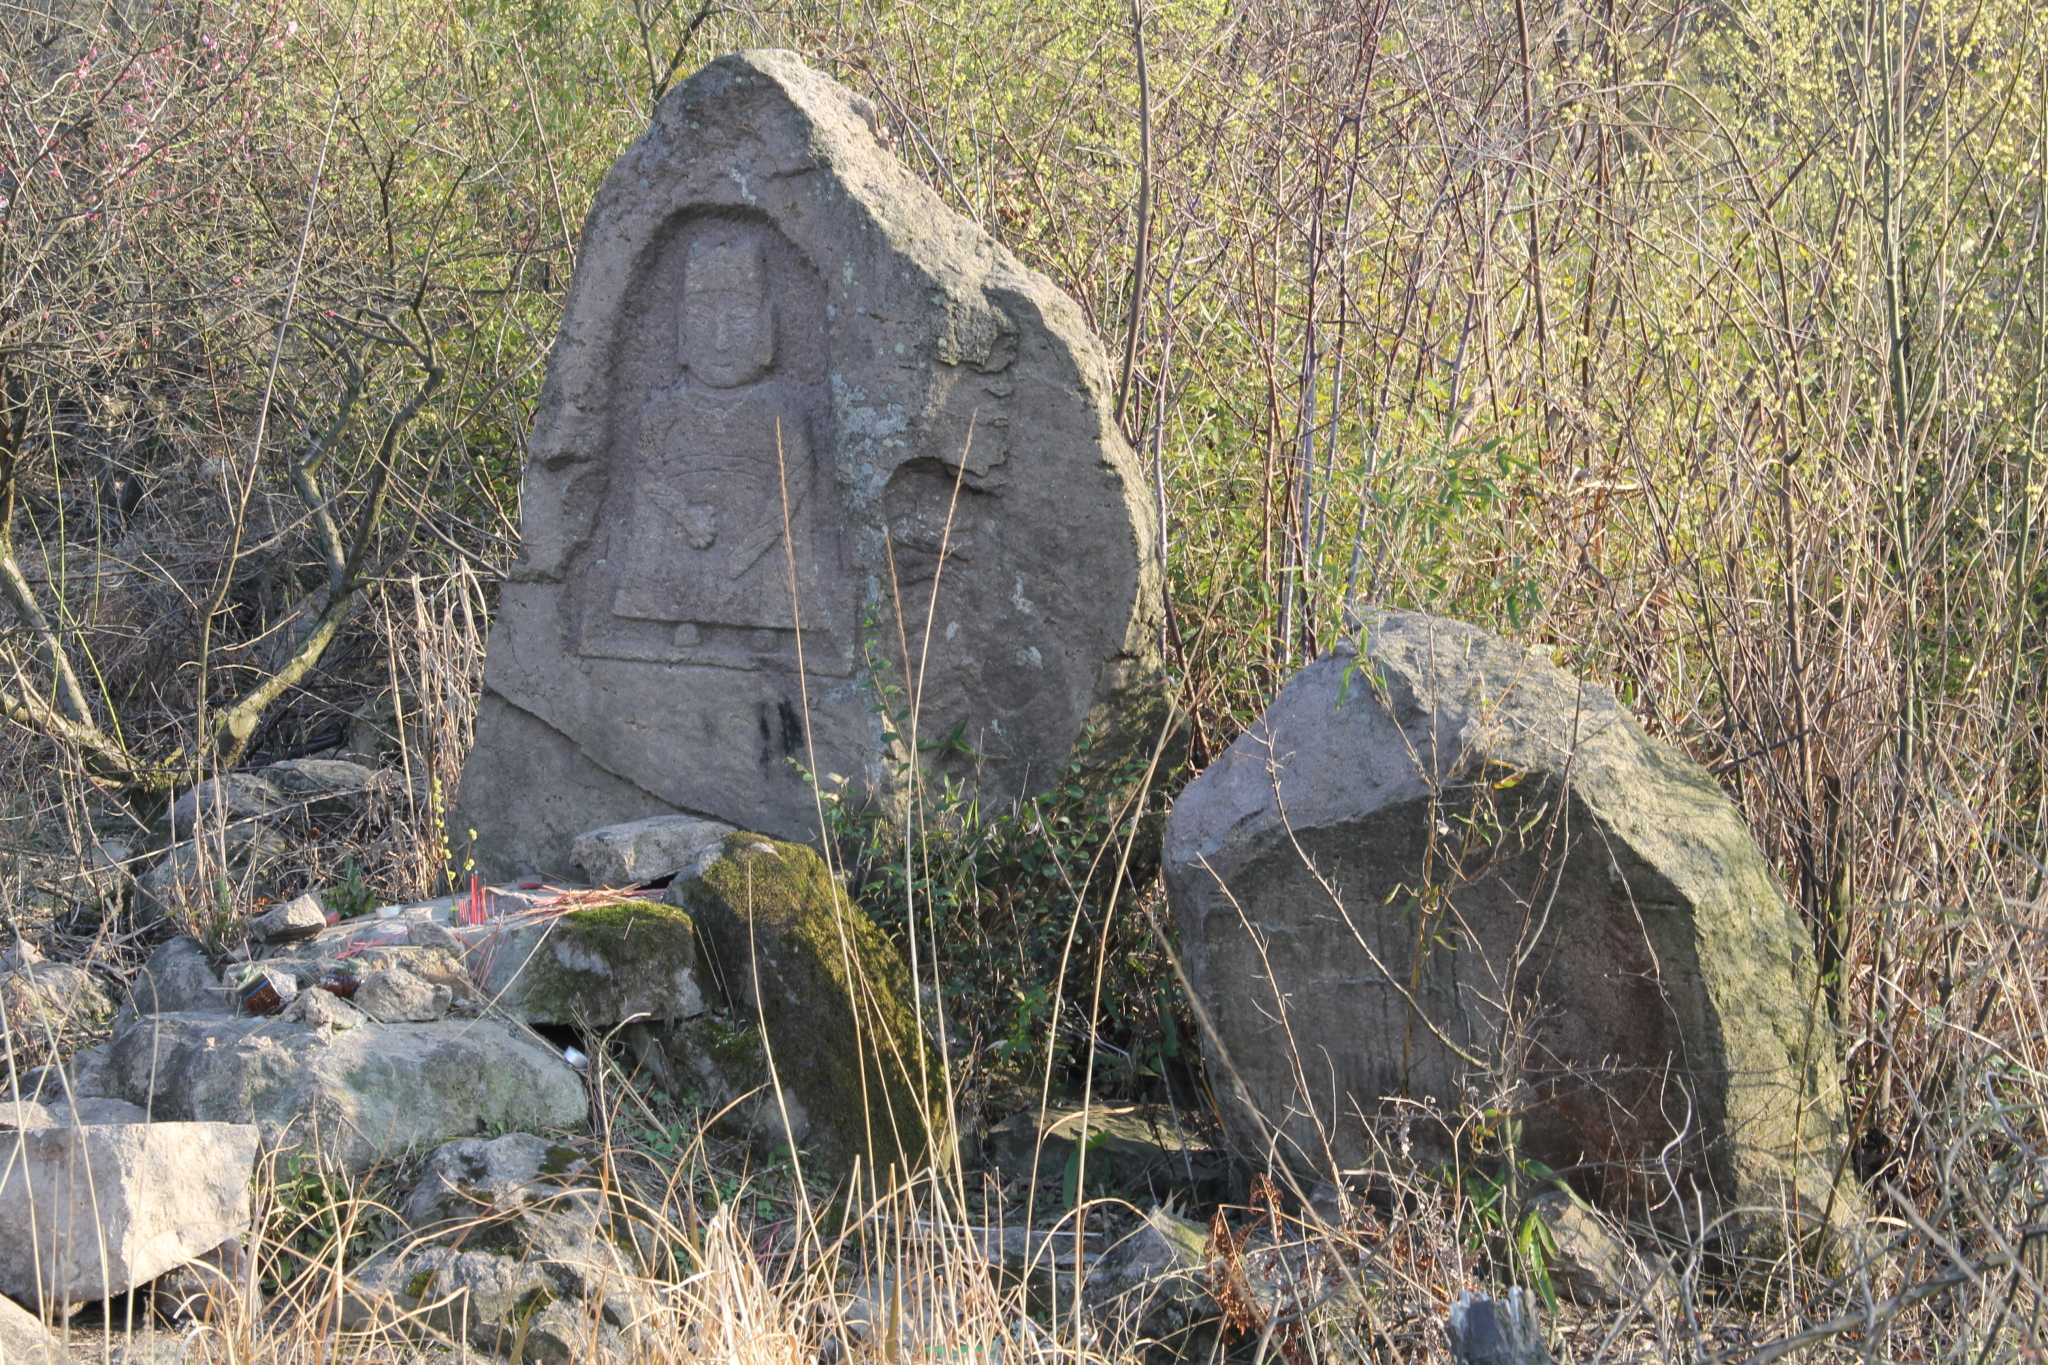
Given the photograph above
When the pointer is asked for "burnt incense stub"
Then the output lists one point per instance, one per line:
(811, 446)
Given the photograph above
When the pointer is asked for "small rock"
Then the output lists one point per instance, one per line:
(210, 1288)
(1132, 1151)
(294, 920)
(435, 966)
(78, 1077)
(1154, 1277)
(24, 1340)
(601, 965)
(473, 1177)
(1594, 1265)
(318, 1009)
(20, 954)
(54, 1000)
(177, 977)
(425, 933)
(562, 1334)
(643, 851)
(558, 1279)
(95, 1211)
(218, 800)
(321, 784)
(24, 1114)
(467, 1295)
(109, 874)
(1490, 1331)
(395, 996)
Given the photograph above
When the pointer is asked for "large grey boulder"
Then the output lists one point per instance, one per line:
(93, 1211)
(788, 382)
(361, 1096)
(1445, 868)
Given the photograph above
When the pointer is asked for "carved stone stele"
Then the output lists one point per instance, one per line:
(812, 451)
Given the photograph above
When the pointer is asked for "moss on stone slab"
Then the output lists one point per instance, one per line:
(787, 947)
(599, 965)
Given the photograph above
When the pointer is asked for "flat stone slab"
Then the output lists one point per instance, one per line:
(362, 1096)
(90, 1212)
(794, 392)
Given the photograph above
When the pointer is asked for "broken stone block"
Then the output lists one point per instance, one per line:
(396, 996)
(361, 1096)
(646, 850)
(1133, 1152)
(780, 359)
(219, 801)
(1443, 840)
(296, 919)
(24, 1340)
(788, 948)
(94, 1211)
(319, 784)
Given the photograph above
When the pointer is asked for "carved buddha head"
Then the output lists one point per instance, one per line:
(728, 323)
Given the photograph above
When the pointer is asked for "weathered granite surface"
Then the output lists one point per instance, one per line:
(789, 382)
(1445, 869)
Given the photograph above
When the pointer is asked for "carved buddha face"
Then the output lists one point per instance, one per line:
(728, 324)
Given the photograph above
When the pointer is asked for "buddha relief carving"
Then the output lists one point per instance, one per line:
(717, 495)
